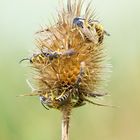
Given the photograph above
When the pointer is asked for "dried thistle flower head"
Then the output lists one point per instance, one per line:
(69, 63)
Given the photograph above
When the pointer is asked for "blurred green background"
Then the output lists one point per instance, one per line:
(25, 119)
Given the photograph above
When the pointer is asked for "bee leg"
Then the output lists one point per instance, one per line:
(98, 104)
(81, 73)
(43, 101)
(44, 105)
(106, 33)
(97, 94)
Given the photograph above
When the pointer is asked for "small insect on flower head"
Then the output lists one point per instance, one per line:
(79, 21)
(42, 58)
(91, 25)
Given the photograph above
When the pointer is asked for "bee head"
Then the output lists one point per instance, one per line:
(78, 21)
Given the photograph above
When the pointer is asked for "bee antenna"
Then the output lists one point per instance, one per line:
(98, 104)
(106, 33)
(44, 105)
(23, 60)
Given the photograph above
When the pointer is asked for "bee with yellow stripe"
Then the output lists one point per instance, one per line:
(42, 58)
(52, 101)
(95, 24)
(92, 25)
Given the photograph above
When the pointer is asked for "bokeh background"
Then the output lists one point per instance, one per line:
(25, 119)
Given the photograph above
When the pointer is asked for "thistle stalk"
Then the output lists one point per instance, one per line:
(66, 112)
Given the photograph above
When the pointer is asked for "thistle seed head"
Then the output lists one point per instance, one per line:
(70, 65)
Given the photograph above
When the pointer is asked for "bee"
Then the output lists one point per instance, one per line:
(55, 102)
(93, 25)
(82, 99)
(42, 58)
(79, 98)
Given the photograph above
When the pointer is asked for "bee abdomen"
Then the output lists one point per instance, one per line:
(62, 99)
(80, 102)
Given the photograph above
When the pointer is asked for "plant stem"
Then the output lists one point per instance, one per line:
(66, 111)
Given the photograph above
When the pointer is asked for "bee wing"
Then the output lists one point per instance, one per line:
(90, 34)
